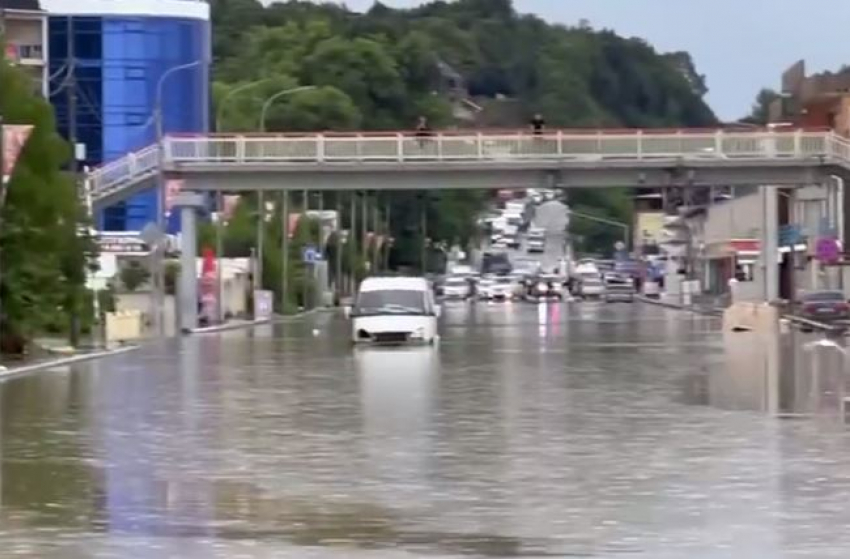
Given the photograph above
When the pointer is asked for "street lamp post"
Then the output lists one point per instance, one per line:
(219, 117)
(275, 97)
(612, 222)
(159, 280)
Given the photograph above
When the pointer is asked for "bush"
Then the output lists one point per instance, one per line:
(133, 276)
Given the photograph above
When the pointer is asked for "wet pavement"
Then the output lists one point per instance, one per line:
(579, 430)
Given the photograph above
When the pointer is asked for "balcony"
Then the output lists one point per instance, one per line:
(25, 54)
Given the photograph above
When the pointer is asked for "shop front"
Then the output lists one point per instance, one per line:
(736, 258)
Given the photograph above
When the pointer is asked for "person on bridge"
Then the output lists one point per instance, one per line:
(537, 124)
(423, 130)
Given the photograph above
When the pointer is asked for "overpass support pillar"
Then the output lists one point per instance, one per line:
(770, 241)
(189, 203)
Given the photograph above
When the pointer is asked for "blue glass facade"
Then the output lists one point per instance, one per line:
(119, 61)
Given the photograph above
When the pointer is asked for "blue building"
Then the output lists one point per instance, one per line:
(106, 58)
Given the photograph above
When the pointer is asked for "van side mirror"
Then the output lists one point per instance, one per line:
(438, 311)
(347, 311)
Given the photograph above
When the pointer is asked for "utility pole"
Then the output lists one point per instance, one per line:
(424, 227)
(284, 250)
(261, 229)
(352, 238)
(339, 248)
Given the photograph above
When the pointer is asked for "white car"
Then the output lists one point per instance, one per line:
(398, 310)
(456, 287)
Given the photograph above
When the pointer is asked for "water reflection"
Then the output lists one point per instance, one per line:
(397, 390)
(506, 440)
(790, 375)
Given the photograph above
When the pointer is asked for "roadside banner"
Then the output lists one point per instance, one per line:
(209, 285)
(229, 203)
(14, 138)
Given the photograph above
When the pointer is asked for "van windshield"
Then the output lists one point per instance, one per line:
(391, 301)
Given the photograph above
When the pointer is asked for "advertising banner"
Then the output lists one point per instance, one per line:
(229, 203)
(263, 304)
(209, 286)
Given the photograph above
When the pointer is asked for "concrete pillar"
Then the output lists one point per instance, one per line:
(189, 203)
(770, 241)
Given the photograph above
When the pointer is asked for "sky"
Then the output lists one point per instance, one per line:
(740, 45)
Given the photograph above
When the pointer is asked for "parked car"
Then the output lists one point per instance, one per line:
(824, 306)
(396, 310)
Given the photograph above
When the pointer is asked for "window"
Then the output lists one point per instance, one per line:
(134, 119)
(391, 301)
(135, 73)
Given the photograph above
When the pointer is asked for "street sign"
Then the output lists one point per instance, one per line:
(122, 244)
(310, 254)
(152, 235)
(790, 235)
(827, 250)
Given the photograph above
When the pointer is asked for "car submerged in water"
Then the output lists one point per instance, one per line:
(393, 311)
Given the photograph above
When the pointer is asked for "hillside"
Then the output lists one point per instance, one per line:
(467, 63)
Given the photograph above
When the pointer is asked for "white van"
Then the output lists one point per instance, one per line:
(395, 310)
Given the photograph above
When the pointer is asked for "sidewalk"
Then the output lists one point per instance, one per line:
(240, 324)
(12, 369)
(706, 305)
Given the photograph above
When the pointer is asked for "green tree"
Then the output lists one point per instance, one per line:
(760, 112)
(44, 258)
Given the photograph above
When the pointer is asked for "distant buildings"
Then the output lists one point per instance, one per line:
(25, 39)
(101, 64)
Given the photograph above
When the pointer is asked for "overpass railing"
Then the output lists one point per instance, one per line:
(400, 148)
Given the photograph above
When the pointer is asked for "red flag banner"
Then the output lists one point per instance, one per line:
(292, 224)
(14, 138)
(229, 204)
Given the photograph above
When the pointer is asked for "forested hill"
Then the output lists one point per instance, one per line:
(466, 64)
(474, 62)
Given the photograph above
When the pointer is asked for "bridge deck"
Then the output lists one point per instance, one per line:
(395, 151)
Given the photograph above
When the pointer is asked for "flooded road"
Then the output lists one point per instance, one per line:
(581, 430)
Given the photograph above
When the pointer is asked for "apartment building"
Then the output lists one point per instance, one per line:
(24, 35)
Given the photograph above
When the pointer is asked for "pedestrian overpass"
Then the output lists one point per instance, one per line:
(449, 160)
(462, 159)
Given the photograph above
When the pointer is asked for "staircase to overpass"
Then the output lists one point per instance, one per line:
(375, 161)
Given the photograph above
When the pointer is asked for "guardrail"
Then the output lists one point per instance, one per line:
(807, 323)
(401, 148)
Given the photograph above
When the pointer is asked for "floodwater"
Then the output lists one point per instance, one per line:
(576, 430)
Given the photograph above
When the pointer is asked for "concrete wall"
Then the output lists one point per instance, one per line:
(738, 218)
(141, 301)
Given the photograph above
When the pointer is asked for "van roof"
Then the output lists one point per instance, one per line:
(400, 283)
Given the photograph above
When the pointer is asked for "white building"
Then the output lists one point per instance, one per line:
(25, 39)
